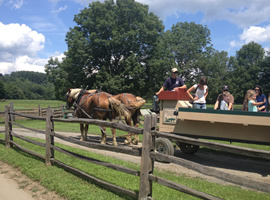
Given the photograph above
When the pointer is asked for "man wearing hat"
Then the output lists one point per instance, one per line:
(221, 102)
(172, 82)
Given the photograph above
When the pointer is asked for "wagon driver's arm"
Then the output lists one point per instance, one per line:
(161, 89)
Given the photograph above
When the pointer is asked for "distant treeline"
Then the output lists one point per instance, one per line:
(26, 85)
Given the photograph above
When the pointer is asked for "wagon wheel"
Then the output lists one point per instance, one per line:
(164, 146)
(188, 148)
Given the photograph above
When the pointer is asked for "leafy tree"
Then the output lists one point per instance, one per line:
(36, 77)
(246, 69)
(215, 67)
(14, 92)
(188, 42)
(2, 91)
(265, 74)
(25, 85)
(111, 45)
(58, 77)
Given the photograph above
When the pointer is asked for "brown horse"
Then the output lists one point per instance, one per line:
(133, 104)
(96, 105)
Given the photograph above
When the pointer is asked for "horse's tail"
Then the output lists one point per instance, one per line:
(119, 108)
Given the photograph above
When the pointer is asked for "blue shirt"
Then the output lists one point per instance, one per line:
(172, 83)
(251, 107)
(260, 98)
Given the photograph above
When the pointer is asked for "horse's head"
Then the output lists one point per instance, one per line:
(70, 96)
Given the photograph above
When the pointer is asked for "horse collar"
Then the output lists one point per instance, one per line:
(78, 99)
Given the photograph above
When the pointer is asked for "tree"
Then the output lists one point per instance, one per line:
(2, 91)
(265, 74)
(27, 85)
(188, 42)
(215, 67)
(246, 69)
(58, 76)
(14, 92)
(111, 45)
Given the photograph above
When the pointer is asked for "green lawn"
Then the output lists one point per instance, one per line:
(30, 104)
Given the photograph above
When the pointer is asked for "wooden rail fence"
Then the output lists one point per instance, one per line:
(59, 111)
(147, 154)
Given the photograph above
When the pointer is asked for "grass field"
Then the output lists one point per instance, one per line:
(31, 104)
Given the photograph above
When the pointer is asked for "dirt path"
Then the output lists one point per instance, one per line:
(246, 167)
(16, 186)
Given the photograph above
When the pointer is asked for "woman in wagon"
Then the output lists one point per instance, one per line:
(200, 93)
(260, 98)
(220, 98)
(252, 103)
(172, 82)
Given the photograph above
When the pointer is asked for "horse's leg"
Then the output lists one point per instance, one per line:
(128, 137)
(135, 119)
(82, 132)
(103, 135)
(114, 137)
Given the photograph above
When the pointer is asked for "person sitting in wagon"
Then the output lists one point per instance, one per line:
(221, 102)
(172, 82)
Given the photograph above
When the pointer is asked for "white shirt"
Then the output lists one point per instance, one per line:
(200, 94)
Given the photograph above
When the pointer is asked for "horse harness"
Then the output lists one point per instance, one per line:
(128, 103)
(79, 99)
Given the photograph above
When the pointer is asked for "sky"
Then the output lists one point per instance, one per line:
(32, 31)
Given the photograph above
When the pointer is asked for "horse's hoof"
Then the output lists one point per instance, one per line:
(127, 142)
(135, 142)
(115, 144)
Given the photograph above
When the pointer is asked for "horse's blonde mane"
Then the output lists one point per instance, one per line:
(74, 92)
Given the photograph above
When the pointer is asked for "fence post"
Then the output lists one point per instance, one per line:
(147, 164)
(12, 110)
(49, 137)
(39, 110)
(63, 110)
(8, 127)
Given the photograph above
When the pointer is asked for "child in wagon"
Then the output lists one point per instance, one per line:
(224, 104)
(252, 104)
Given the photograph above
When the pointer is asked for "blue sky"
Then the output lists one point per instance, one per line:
(32, 31)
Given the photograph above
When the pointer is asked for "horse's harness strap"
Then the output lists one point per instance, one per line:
(77, 106)
(101, 109)
(78, 99)
(128, 103)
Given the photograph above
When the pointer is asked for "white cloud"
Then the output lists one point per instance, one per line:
(253, 34)
(17, 40)
(86, 2)
(243, 13)
(17, 4)
(19, 46)
(60, 9)
(26, 63)
(256, 34)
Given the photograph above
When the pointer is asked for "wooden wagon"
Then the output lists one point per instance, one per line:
(178, 117)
